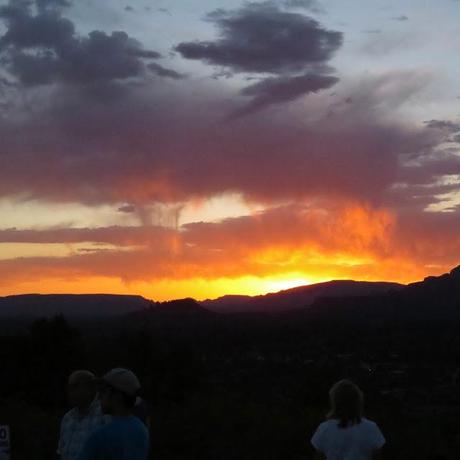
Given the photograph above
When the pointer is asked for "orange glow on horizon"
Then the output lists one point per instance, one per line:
(268, 251)
(197, 288)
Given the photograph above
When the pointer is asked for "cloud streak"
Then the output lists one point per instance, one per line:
(278, 90)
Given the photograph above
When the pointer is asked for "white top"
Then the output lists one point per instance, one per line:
(355, 442)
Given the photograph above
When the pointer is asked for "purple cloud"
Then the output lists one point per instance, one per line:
(272, 91)
(262, 38)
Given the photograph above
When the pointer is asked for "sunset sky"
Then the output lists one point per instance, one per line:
(175, 148)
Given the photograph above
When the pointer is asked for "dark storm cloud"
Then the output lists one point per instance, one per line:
(26, 30)
(168, 143)
(447, 125)
(44, 48)
(163, 72)
(282, 89)
(262, 38)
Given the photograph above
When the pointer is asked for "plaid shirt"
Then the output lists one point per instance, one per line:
(75, 430)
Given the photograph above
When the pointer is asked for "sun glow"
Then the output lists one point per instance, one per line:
(282, 285)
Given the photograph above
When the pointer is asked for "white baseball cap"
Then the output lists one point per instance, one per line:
(123, 380)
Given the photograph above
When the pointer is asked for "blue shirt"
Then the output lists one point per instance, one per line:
(124, 438)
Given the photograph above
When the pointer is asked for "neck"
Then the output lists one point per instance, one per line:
(83, 409)
(121, 412)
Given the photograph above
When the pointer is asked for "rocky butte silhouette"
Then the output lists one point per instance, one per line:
(301, 296)
(435, 299)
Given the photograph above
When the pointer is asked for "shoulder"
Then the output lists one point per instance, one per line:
(138, 424)
(369, 424)
(321, 435)
(326, 425)
(323, 428)
(372, 431)
(68, 416)
(138, 428)
(367, 421)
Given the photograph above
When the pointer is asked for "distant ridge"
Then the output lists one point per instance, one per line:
(174, 309)
(70, 305)
(435, 292)
(433, 297)
(298, 297)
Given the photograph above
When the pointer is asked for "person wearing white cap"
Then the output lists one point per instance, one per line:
(125, 437)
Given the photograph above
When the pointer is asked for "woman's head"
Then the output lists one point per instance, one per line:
(346, 401)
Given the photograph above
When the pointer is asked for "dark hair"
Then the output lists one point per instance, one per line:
(347, 402)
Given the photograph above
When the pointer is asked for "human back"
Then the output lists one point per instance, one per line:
(346, 434)
(124, 438)
(359, 441)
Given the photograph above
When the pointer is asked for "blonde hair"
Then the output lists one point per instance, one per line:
(347, 403)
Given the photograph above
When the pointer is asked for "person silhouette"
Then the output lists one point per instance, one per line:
(346, 434)
(125, 437)
(84, 417)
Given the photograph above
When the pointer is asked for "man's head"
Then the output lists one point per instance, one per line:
(118, 391)
(82, 388)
